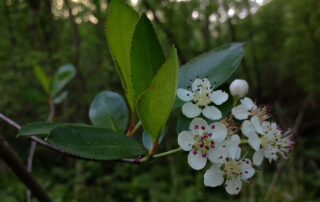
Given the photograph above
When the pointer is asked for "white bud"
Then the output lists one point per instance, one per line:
(239, 88)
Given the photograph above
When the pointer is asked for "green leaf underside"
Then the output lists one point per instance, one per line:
(95, 143)
(64, 74)
(42, 128)
(217, 64)
(147, 138)
(146, 55)
(155, 104)
(120, 26)
(109, 110)
(43, 78)
(62, 96)
(184, 122)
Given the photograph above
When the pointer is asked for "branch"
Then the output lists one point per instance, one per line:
(16, 164)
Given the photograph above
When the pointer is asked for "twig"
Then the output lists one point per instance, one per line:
(9, 121)
(16, 164)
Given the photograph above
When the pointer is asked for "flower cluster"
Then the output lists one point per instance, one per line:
(219, 143)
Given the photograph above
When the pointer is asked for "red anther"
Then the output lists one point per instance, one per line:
(196, 127)
(204, 155)
(213, 126)
(207, 147)
(203, 127)
(195, 152)
(202, 145)
(210, 134)
(212, 146)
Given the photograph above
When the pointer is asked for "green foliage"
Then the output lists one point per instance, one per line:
(148, 141)
(95, 143)
(33, 95)
(59, 98)
(64, 74)
(43, 78)
(146, 55)
(119, 31)
(109, 110)
(155, 104)
(217, 64)
(42, 128)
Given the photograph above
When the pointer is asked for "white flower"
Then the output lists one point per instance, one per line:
(239, 88)
(248, 108)
(235, 170)
(200, 98)
(267, 139)
(200, 139)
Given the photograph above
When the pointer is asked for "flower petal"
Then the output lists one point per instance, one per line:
(233, 185)
(211, 112)
(196, 161)
(258, 157)
(233, 146)
(213, 176)
(247, 171)
(247, 128)
(256, 124)
(240, 112)
(186, 140)
(248, 103)
(218, 131)
(185, 95)
(254, 141)
(198, 126)
(218, 97)
(218, 154)
(191, 110)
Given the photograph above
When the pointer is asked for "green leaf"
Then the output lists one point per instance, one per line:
(41, 128)
(42, 77)
(146, 55)
(64, 74)
(120, 25)
(95, 143)
(62, 96)
(217, 64)
(33, 95)
(109, 109)
(155, 104)
(147, 138)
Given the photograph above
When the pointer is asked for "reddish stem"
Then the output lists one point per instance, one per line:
(131, 126)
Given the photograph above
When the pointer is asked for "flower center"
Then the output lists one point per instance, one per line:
(261, 113)
(203, 144)
(232, 168)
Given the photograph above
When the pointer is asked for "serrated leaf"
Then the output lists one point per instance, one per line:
(62, 96)
(120, 25)
(43, 78)
(64, 74)
(109, 110)
(155, 104)
(95, 143)
(41, 128)
(148, 141)
(146, 55)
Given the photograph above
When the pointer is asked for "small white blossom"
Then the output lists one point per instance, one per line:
(235, 170)
(200, 98)
(239, 88)
(248, 108)
(200, 140)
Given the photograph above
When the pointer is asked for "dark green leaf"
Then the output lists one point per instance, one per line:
(155, 104)
(109, 110)
(64, 74)
(120, 25)
(33, 95)
(41, 128)
(146, 55)
(43, 78)
(58, 99)
(95, 143)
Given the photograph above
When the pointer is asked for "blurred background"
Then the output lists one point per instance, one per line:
(281, 64)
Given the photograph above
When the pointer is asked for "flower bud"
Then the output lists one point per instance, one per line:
(239, 88)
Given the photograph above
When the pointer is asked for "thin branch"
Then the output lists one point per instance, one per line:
(16, 164)
(9, 121)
